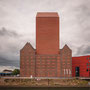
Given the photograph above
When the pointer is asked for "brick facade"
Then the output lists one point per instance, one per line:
(66, 61)
(47, 60)
(27, 61)
(83, 63)
(47, 33)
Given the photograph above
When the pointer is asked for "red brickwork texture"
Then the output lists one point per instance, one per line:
(47, 60)
(66, 62)
(46, 65)
(35, 65)
(47, 35)
(27, 61)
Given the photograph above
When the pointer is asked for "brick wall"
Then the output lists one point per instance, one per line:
(66, 61)
(47, 33)
(46, 65)
(83, 62)
(59, 65)
(47, 60)
(27, 61)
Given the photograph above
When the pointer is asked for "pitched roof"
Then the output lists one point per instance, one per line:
(66, 46)
(47, 14)
(7, 70)
(28, 44)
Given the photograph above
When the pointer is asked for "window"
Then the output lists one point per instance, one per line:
(64, 72)
(69, 71)
(87, 63)
(87, 70)
(89, 60)
(87, 66)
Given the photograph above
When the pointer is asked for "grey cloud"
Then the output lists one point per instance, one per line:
(80, 34)
(9, 48)
(18, 15)
(87, 50)
(6, 62)
(83, 19)
(5, 32)
(84, 15)
(83, 50)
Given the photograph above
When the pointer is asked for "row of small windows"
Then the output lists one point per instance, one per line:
(88, 63)
(88, 66)
(88, 58)
(67, 71)
(88, 70)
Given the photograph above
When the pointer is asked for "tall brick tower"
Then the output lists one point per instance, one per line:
(47, 33)
(47, 60)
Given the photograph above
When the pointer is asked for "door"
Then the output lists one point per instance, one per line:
(77, 71)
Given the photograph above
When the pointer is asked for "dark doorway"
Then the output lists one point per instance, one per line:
(77, 71)
(89, 73)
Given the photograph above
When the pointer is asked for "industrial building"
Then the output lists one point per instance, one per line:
(47, 60)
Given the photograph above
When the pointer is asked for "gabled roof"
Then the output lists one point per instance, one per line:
(66, 46)
(47, 14)
(28, 45)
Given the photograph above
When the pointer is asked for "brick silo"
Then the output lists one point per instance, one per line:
(47, 60)
(47, 33)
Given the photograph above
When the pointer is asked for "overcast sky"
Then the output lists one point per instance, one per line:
(18, 26)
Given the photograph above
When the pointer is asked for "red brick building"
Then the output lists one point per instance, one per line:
(47, 60)
(81, 66)
(47, 33)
